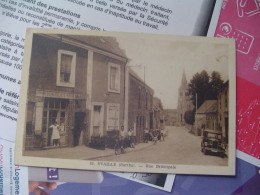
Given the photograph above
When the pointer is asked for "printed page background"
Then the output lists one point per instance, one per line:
(240, 20)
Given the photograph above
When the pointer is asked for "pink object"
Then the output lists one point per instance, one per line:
(240, 19)
(248, 118)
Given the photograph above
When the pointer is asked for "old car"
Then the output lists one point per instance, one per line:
(212, 143)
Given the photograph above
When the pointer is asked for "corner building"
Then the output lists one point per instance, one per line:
(77, 81)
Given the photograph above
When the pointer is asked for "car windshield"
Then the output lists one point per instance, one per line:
(214, 135)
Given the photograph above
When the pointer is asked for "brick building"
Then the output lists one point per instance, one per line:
(139, 104)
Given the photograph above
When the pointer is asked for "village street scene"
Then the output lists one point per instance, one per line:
(107, 99)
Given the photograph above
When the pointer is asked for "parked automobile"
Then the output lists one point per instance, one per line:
(212, 143)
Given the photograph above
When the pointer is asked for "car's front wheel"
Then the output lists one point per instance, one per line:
(203, 149)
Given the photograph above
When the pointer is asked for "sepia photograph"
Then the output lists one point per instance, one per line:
(127, 102)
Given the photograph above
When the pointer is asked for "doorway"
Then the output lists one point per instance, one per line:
(78, 126)
(96, 120)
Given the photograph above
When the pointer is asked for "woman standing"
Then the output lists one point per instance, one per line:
(55, 134)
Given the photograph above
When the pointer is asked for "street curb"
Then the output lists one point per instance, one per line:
(107, 155)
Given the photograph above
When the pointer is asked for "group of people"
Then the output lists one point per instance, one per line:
(154, 135)
(126, 138)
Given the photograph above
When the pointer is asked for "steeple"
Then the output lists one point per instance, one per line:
(183, 80)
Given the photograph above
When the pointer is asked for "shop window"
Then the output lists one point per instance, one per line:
(113, 78)
(66, 68)
(54, 111)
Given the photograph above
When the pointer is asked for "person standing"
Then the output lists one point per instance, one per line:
(122, 137)
(130, 137)
(55, 137)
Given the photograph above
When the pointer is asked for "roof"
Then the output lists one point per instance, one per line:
(133, 74)
(100, 42)
(208, 106)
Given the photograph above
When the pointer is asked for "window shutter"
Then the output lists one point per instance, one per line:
(38, 118)
(117, 81)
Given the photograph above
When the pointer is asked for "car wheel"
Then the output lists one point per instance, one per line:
(205, 152)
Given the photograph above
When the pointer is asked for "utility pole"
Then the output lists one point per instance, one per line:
(196, 120)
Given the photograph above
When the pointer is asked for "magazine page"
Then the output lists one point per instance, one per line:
(244, 27)
(13, 179)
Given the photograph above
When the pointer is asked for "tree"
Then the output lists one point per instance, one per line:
(216, 83)
(199, 84)
(206, 88)
(189, 116)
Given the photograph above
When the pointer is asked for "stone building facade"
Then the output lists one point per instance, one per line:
(78, 82)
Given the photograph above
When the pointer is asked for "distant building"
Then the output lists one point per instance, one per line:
(206, 115)
(78, 82)
(158, 114)
(223, 98)
(184, 100)
(139, 105)
(170, 117)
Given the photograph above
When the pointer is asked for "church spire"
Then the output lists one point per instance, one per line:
(184, 80)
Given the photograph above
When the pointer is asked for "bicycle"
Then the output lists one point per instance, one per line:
(119, 147)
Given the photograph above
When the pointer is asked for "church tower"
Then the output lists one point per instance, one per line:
(184, 102)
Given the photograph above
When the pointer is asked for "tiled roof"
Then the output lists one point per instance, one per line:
(208, 106)
(135, 75)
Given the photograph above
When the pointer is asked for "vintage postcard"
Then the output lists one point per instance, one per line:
(127, 102)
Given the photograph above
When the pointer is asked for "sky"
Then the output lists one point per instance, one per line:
(166, 57)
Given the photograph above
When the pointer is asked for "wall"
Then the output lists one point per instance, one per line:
(100, 91)
(43, 70)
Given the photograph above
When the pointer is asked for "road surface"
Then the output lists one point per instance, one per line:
(179, 147)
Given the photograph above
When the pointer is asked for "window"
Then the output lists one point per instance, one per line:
(113, 78)
(30, 118)
(113, 116)
(66, 68)
(139, 97)
(146, 100)
(54, 110)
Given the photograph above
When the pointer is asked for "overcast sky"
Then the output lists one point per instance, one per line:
(165, 60)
